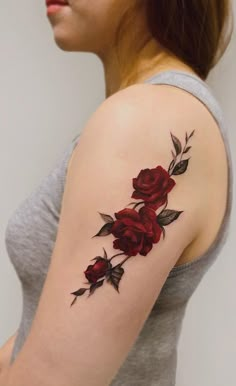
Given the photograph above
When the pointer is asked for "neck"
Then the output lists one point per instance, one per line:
(137, 57)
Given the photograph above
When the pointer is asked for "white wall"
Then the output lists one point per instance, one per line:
(207, 349)
(46, 96)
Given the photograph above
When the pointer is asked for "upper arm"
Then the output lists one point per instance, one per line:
(126, 217)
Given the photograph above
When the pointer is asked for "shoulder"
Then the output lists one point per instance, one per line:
(143, 118)
(145, 124)
(144, 112)
(147, 109)
(139, 128)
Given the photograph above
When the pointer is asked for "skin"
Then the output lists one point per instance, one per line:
(5, 353)
(91, 26)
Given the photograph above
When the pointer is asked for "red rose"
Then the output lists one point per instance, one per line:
(152, 186)
(97, 270)
(136, 231)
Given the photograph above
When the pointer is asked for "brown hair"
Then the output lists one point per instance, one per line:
(196, 31)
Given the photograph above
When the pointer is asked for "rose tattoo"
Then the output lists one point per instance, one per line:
(152, 186)
(136, 231)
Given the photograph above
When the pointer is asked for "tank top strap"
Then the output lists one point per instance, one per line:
(195, 86)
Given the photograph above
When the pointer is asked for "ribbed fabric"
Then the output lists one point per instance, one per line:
(30, 237)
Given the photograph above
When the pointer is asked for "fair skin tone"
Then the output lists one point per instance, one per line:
(132, 137)
(5, 352)
(92, 26)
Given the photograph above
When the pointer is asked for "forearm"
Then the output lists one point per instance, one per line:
(4, 376)
(29, 369)
(6, 351)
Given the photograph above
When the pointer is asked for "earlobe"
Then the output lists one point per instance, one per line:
(137, 230)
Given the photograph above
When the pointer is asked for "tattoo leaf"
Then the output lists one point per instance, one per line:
(191, 134)
(99, 257)
(115, 276)
(106, 217)
(187, 149)
(105, 230)
(164, 232)
(171, 165)
(167, 216)
(177, 144)
(79, 292)
(173, 154)
(105, 253)
(181, 167)
(94, 286)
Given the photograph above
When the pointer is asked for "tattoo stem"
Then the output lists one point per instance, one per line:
(124, 260)
(165, 204)
(116, 255)
(120, 264)
(139, 203)
(181, 155)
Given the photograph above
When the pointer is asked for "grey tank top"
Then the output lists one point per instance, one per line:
(31, 233)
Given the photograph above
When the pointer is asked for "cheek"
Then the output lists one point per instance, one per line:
(87, 25)
(88, 13)
(87, 8)
(99, 12)
(96, 18)
(76, 31)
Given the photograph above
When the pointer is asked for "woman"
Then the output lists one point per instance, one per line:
(149, 165)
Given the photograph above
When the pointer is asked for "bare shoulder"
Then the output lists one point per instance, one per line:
(149, 117)
(173, 107)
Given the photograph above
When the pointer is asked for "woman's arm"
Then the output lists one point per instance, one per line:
(123, 158)
(5, 353)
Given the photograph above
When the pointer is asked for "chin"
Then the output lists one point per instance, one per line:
(64, 44)
(63, 40)
(68, 42)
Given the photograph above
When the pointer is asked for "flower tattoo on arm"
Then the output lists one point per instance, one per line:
(136, 230)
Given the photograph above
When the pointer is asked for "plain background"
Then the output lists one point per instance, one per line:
(46, 96)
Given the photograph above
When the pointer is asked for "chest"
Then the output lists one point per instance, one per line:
(32, 228)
